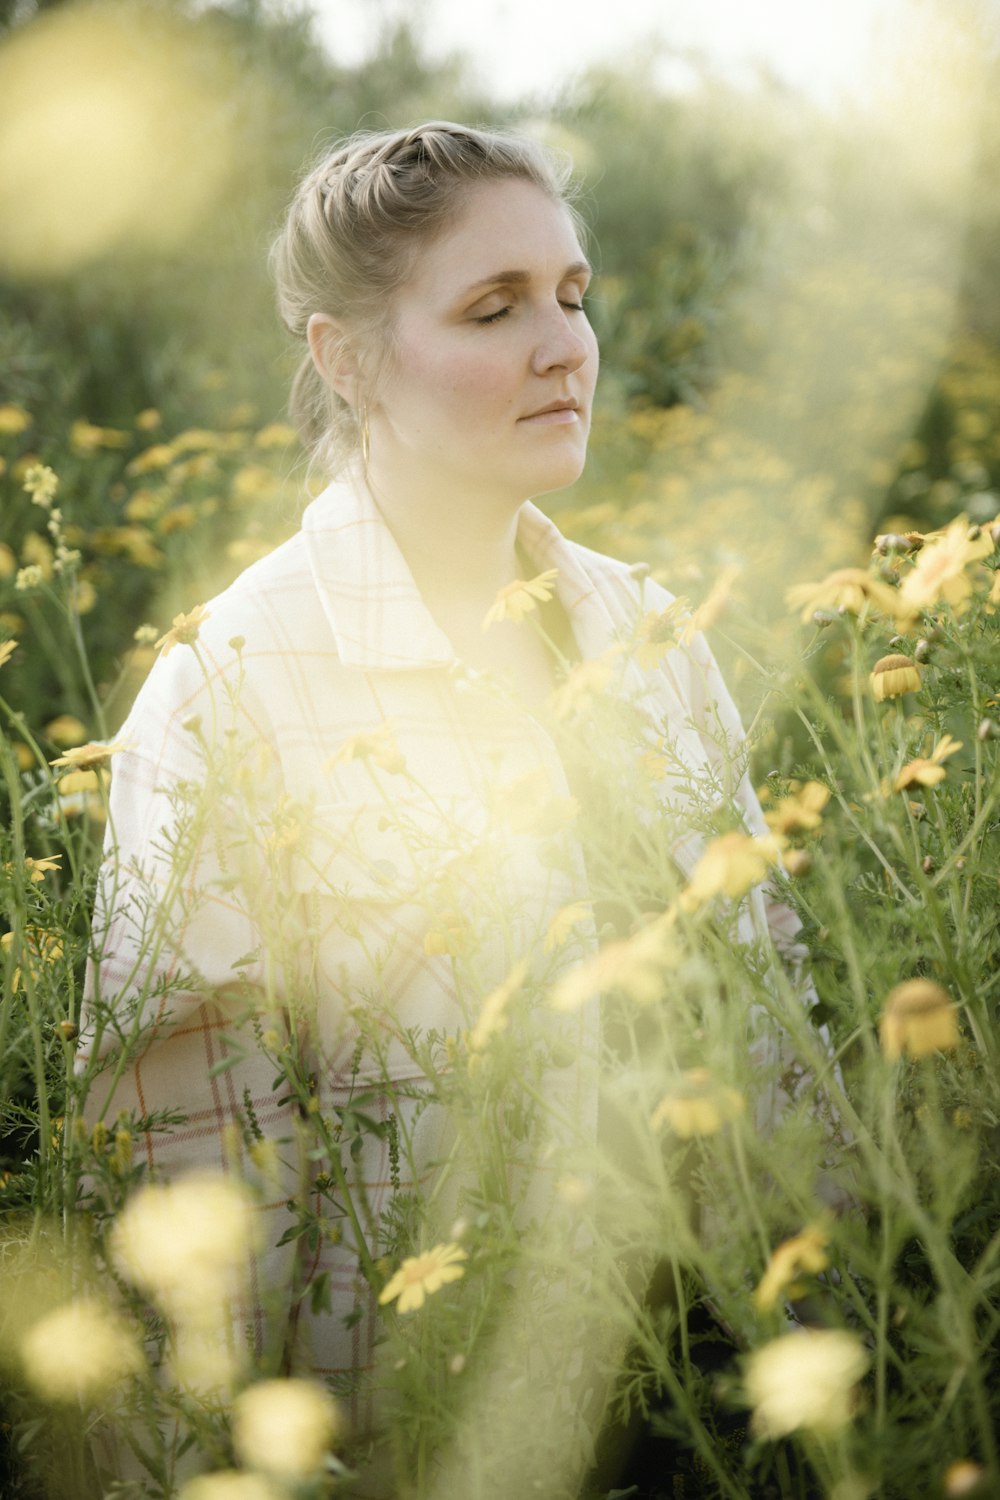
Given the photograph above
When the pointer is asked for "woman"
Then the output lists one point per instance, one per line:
(340, 830)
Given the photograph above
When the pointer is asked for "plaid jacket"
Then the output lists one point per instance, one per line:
(310, 883)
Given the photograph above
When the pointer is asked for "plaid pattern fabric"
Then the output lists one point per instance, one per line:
(317, 889)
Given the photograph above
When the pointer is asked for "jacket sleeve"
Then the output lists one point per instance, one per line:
(183, 977)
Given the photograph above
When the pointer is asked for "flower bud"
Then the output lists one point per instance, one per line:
(894, 675)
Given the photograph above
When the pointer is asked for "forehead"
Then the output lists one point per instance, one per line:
(499, 226)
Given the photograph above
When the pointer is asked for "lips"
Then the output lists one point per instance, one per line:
(566, 409)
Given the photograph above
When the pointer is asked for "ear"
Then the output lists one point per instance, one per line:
(333, 356)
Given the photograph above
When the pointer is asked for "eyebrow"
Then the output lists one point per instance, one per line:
(519, 278)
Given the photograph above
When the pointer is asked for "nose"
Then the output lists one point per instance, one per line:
(558, 344)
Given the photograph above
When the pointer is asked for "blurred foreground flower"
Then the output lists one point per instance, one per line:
(919, 1018)
(803, 1253)
(803, 809)
(585, 681)
(636, 966)
(805, 1379)
(714, 605)
(729, 867)
(7, 651)
(697, 1105)
(493, 1014)
(186, 1244)
(940, 569)
(928, 772)
(421, 1275)
(79, 1352)
(566, 919)
(285, 1428)
(231, 1484)
(379, 745)
(90, 95)
(894, 675)
(964, 1478)
(849, 589)
(184, 630)
(517, 599)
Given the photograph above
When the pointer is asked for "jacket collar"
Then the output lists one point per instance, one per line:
(375, 609)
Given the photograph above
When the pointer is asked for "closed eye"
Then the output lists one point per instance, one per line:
(502, 312)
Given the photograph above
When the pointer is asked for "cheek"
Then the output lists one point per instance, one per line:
(429, 375)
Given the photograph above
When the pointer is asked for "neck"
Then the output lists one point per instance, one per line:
(461, 552)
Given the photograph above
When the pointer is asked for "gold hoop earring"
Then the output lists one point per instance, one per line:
(366, 442)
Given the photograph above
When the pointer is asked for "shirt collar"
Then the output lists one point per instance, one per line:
(374, 607)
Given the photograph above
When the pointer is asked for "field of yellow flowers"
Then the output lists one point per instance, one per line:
(789, 1302)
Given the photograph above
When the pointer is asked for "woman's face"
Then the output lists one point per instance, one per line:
(488, 386)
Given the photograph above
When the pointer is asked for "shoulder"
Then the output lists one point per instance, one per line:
(232, 644)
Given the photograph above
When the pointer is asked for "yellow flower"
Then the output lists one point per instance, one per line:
(13, 420)
(585, 681)
(894, 675)
(659, 632)
(850, 589)
(805, 1379)
(563, 923)
(79, 1352)
(37, 552)
(65, 729)
(148, 420)
(801, 810)
(940, 569)
(379, 745)
(156, 457)
(715, 603)
(275, 435)
(41, 483)
(8, 562)
(29, 578)
(184, 630)
(37, 868)
(528, 804)
(919, 1018)
(7, 651)
(146, 635)
(86, 438)
(84, 596)
(517, 599)
(964, 1478)
(697, 1105)
(450, 933)
(86, 757)
(928, 772)
(636, 966)
(82, 792)
(285, 1428)
(493, 1015)
(805, 1252)
(729, 866)
(37, 948)
(421, 1275)
(253, 482)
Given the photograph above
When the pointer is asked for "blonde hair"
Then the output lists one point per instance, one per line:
(353, 231)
